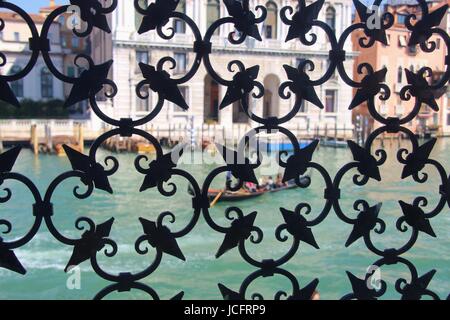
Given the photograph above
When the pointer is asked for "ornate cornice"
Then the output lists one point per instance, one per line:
(230, 50)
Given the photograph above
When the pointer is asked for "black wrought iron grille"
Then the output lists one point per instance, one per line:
(298, 226)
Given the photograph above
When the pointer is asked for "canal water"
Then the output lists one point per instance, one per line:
(45, 258)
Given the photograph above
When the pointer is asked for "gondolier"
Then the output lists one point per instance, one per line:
(228, 180)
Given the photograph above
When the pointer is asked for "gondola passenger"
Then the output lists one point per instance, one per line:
(271, 184)
(279, 182)
(250, 186)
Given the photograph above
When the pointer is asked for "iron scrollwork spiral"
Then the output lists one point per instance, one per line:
(298, 225)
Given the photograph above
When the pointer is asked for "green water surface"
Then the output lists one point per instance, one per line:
(45, 258)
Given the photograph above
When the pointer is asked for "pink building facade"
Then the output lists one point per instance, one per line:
(397, 56)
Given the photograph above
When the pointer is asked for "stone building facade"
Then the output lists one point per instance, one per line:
(127, 48)
(39, 84)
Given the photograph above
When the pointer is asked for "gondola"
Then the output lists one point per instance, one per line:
(233, 196)
(245, 194)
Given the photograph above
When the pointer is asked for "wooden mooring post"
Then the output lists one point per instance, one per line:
(80, 137)
(335, 131)
(1, 141)
(34, 140)
(48, 139)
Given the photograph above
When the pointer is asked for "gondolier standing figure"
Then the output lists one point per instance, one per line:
(228, 181)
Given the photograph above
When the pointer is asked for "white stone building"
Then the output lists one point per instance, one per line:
(126, 47)
(39, 84)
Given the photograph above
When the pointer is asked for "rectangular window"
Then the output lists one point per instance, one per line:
(137, 16)
(180, 26)
(298, 61)
(401, 19)
(71, 72)
(330, 101)
(17, 88)
(303, 106)
(184, 92)
(213, 13)
(402, 41)
(46, 84)
(143, 105)
(64, 42)
(47, 91)
(448, 119)
(1, 35)
(181, 60)
(75, 42)
(16, 36)
(142, 56)
(425, 109)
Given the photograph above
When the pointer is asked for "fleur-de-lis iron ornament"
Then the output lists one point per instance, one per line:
(160, 237)
(423, 28)
(365, 222)
(242, 84)
(369, 14)
(244, 20)
(90, 241)
(370, 87)
(89, 83)
(8, 259)
(297, 164)
(156, 15)
(7, 94)
(297, 228)
(302, 20)
(95, 172)
(161, 83)
(421, 89)
(93, 13)
(300, 85)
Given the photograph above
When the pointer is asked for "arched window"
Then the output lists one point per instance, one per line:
(137, 16)
(399, 75)
(179, 25)
(330, 18)
(212, 12)
(270, 25)
(46, 83)
(16, 86)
